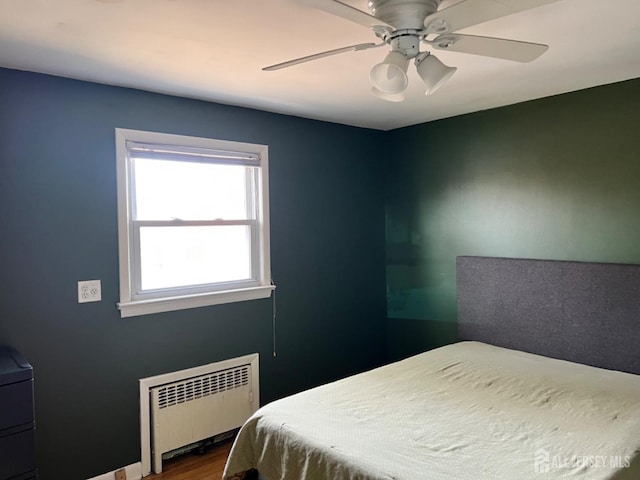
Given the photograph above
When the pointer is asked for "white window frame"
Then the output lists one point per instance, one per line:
(132, 304)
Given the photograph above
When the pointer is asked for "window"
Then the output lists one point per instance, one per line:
(193, 222)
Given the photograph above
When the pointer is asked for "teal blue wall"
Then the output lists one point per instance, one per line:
(557, 178)
(59, 225)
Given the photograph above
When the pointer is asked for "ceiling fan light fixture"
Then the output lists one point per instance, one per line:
(389, 97)
(433, 72)
(390, 76)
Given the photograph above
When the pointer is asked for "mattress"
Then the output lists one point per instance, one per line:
(465, 411)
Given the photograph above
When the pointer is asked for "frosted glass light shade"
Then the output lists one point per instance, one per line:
(390, 76)
(389, 97)
(433, 72)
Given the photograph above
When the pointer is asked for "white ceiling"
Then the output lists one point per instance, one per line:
(215, 49)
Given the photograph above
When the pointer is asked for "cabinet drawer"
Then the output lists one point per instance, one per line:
(17, 454)
(16, 404)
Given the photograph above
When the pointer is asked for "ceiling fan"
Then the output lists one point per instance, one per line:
(405, 24)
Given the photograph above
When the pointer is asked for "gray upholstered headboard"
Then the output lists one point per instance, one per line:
(582, 312)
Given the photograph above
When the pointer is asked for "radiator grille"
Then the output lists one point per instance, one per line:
(205, 385)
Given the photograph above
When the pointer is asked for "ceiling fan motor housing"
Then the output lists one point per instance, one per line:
(403, 14)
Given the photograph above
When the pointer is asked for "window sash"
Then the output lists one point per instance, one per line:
(252, 187)
(138, 293)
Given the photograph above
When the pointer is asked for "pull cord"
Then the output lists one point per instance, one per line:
(273, 318)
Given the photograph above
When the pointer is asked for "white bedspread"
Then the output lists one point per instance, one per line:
(465, 411)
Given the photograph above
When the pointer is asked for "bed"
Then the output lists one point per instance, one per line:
(545, 383)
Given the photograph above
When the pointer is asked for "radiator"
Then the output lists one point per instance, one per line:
(199, 407)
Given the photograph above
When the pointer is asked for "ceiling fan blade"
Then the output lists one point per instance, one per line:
(316, 56)
(335, 7)
(474, 12)
(490, 47)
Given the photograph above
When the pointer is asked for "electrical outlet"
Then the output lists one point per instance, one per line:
(121, 474)
(89, 291)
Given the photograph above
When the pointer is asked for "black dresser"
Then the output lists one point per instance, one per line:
(17, 425)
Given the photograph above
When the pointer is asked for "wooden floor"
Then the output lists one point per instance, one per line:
(193, 466)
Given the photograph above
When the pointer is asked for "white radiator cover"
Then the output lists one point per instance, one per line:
(200, 403)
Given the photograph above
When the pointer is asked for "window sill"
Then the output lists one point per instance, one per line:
(158, 305)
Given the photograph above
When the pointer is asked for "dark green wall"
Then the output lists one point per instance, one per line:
(58, 218)
(557, 178)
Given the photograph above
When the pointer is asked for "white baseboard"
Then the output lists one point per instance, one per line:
(134, 472)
